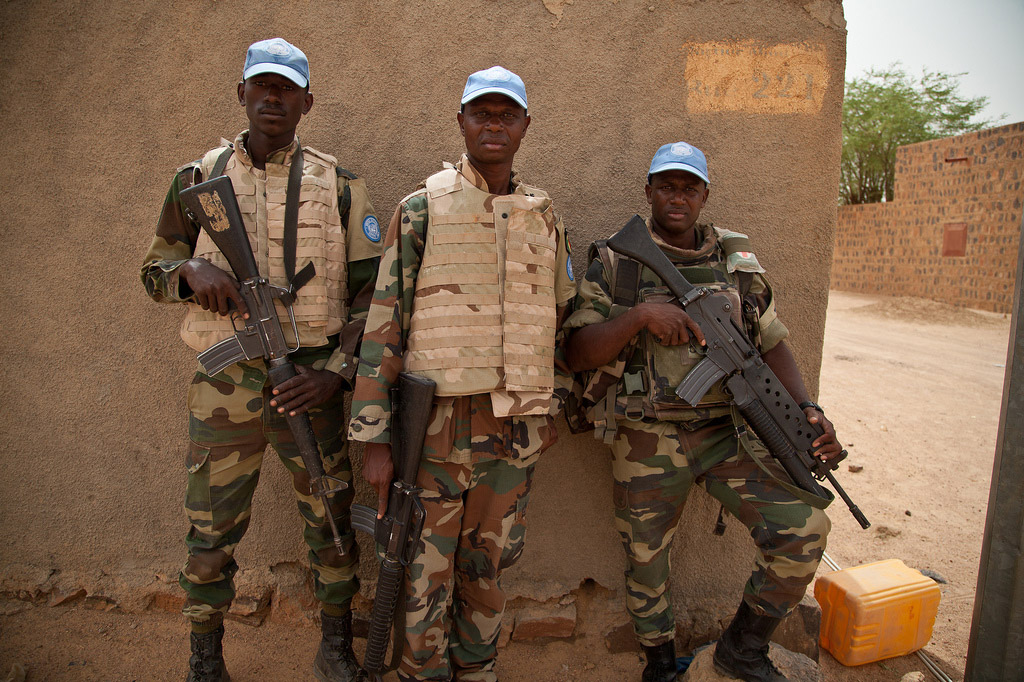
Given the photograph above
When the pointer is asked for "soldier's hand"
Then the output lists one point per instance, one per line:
(307, 389)
(669, 324)
(379, 470)
(213, 288)
(826, 446)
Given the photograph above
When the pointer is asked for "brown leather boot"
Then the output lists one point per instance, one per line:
(742, 651)
(335, 661)
(206, 664)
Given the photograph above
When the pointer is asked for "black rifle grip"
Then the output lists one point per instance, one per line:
(389, 583)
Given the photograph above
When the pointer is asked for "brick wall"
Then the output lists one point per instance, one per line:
(953, 230)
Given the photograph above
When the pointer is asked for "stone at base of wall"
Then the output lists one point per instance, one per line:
(796, 667)
(283, 593)
(544, 621)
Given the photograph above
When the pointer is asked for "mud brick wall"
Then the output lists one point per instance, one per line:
(952, 232)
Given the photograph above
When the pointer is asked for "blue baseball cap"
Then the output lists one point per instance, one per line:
(680, 156)
(277, 56)
(495, 79)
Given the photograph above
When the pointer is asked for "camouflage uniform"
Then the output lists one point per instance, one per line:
(665, 446)
(230, 419)
(476, 470)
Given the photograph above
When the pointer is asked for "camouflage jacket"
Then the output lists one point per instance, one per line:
(176, 236)
(594, 304)
(388, 321)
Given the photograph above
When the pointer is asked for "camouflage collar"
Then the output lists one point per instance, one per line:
(466, 169)
(281, 157)
(709, 242)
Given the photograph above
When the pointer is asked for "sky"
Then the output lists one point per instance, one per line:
(984, 38)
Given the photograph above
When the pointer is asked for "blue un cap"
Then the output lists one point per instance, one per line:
(277, 56)
(680, 156)
(495, 79)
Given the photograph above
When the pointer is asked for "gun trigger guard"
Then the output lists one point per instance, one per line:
(336, 485)
(821, 469)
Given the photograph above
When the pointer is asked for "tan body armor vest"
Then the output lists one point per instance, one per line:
(483, 317)
(320, 305)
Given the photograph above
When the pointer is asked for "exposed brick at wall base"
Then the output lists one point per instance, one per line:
(896, 248)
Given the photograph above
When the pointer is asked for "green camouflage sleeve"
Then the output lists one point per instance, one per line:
(173, 244)
(772, 329)
(593, 303)
(387, 322)
(363, 246)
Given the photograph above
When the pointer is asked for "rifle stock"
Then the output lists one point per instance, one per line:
(759, 395)
(214, 204)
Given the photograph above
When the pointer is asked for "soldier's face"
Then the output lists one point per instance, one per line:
(676, 198)
(273, 104)
(493, 126)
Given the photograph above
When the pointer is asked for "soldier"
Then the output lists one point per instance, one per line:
(235, 414)
(474, 283)
(628, 329)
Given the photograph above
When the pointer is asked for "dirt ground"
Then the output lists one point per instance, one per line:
(914, 388)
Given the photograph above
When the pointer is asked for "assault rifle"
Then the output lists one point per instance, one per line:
(760, 397)
(398, 532)
(213, 205)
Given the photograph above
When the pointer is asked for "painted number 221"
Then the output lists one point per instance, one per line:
(787, 82)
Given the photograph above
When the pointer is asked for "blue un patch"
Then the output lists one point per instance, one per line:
(568, 269)
(371, 228)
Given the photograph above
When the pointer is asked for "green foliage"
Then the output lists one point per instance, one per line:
(886, 109)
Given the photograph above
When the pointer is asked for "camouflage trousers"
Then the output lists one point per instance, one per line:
(655, 464)
(230, 427)
(476, 476)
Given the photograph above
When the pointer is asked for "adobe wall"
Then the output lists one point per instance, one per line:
(104, 100)
(969, 184)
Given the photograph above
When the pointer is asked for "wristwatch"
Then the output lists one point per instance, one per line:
(811, 403)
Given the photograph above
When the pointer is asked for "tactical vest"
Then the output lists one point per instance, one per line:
(641, 383)
(483, 316)
(320, 305)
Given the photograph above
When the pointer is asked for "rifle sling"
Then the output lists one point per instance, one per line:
(221, 163)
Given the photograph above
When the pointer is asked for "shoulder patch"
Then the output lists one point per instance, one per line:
(345, 173)
(568, 269)
(371, 228)
(739, 255)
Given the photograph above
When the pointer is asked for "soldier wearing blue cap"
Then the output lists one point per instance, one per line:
(636, 345)
(477, 263)
(235, 414)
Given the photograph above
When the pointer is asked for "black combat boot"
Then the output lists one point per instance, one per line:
(743, 649)
(661, 662)
(335, 661)
(206, 664)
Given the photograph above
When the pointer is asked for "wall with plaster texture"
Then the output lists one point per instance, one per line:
(105, 100)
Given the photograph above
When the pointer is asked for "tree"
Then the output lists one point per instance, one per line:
(886, 109)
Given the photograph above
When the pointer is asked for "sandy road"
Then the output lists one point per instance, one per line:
(914, 389)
